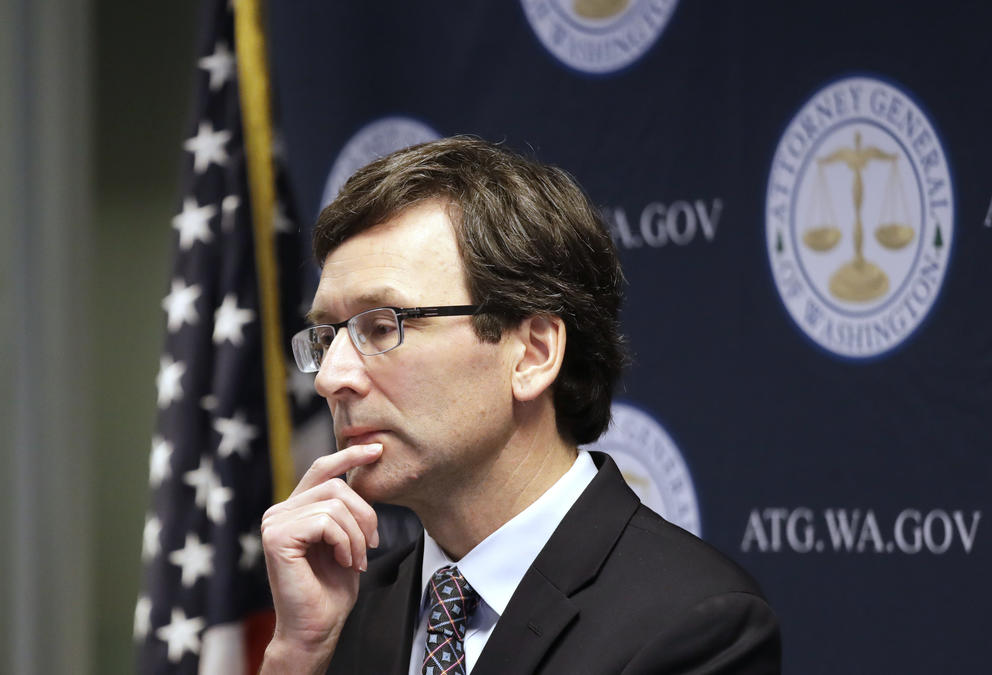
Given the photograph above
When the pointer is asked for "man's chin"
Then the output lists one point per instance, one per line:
(376, 484)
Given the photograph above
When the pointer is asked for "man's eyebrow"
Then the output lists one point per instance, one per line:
(384, 296)
(315, 317)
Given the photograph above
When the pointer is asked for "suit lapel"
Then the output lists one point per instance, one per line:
(527, 629)
(390, 611)
(540, 610)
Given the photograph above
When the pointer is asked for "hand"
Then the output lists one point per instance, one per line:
(315, 545)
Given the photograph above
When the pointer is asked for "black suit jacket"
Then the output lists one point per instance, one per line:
(617, 589)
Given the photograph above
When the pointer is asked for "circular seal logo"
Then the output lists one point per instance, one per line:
(598, 36)
(652, 465)
(859, 217)
(374, 140)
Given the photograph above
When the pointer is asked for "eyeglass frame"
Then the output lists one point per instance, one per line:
(401, 314)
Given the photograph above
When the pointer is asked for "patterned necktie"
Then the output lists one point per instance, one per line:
(452, 601)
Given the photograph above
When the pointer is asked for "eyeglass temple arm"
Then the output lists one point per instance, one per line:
(451, 310)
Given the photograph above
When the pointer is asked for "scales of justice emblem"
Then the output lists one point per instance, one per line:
(859, 217)
(859, 280)
(599, 9)
(598, 36)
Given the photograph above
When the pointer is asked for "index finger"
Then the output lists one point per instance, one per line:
(337, 463)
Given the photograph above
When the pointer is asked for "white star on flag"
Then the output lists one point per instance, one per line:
(194, 223)
(150, 545)
(208, 146)
(169, 381)
(158, 466)
(209, 402)
(210, 493)
(229, 321)
(251, 548)
(180, 304)
(228, 207)
(196, 559)
(217, 498)
(182, 634)
(220, 65)
(300, 384)
(142, 617)
(236, 435)
(202, 479)
(280, 221)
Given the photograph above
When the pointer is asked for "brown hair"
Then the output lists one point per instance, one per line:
(531, 243)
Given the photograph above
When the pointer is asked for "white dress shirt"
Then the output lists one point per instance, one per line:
(496, 565)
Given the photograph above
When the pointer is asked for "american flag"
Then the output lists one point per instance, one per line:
(205, 604)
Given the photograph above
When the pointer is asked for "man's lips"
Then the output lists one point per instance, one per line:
(361, 436)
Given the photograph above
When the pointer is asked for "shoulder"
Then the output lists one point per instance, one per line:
(674, 603)
(671, 598)
(663, 550)
(622, 538)
(657, 572)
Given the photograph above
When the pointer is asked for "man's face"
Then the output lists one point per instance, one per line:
(441, 403)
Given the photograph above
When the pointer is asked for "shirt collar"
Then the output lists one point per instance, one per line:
(496, 565)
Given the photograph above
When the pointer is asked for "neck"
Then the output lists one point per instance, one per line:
(532, 461)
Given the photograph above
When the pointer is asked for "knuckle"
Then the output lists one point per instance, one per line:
(270, 535)
(333, 534)
(271, 513)
(366, 516)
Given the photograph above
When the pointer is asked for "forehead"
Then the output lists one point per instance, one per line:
(410, 259)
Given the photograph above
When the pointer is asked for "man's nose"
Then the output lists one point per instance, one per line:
(342, 372)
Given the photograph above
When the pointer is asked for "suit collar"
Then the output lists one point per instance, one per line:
(587, 534)
(540, 608)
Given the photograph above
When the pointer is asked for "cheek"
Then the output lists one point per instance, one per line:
(477, 391)
(450, 386)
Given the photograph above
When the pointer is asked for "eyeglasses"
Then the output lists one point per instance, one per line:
(374, 331)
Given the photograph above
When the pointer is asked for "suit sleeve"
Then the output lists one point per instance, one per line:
(729, 633)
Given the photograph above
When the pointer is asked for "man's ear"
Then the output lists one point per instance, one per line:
(538, 358)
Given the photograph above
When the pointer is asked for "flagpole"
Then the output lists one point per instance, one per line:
(254, 88)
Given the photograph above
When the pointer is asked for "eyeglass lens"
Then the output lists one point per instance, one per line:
(372, 332)
(375, 331)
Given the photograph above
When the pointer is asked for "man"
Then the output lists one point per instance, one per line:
(467, 342)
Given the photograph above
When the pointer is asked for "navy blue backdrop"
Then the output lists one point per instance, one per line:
(801, 198)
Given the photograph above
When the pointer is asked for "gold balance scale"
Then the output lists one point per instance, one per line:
(599, 9)
(859, 280)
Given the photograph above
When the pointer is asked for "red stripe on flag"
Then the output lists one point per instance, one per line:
(259, 627)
